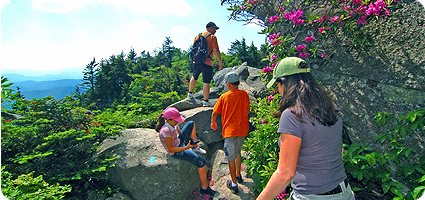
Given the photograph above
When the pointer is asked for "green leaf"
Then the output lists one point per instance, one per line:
(396, 191)
(371, 160)
(385, 187)
(402, 131)
(418, 192)
(408, 171)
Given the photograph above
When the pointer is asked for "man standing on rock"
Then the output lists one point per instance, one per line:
(206, 68)
(233, 107)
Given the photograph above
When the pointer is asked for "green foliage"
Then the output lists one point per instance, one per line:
(58, 140)
(8, 96)
(245, 53)
(28, 187)
(374, 169)
(262, 144)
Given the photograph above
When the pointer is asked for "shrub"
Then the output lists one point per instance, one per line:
(262, 144)
(28, 187)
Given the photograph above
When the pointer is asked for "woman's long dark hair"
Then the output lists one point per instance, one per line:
(161, 122)
(304, 96)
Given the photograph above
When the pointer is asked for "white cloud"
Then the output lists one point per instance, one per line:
(180, 30)
(145, 7)
(135, 31)
(156, 8)
(58, 6)
(256, 23)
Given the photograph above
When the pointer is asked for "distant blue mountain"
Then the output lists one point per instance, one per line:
(38, 84)
(27, 74)
(38, 89)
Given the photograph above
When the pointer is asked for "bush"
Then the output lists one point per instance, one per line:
(380, 171)
(262, 144)
(58, 140)
(28, 187)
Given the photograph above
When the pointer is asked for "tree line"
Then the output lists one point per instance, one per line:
(131, 78)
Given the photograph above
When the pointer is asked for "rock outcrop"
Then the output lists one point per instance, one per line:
(145, 171)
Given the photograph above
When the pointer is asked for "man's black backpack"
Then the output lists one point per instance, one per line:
(199, 50)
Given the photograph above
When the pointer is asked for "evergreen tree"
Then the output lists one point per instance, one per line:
(89, 75)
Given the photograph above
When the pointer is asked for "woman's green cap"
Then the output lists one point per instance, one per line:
(286, 67)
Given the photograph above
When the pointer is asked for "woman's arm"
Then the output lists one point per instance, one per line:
(288, 159)
(169, 143)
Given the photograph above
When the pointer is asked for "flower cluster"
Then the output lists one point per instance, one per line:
(270, 98)
(267, 69)
(323, 30)
(309, 39)
(295, 16)
(274, 39)
(274, 18)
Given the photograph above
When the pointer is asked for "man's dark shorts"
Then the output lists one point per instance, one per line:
(206, 70)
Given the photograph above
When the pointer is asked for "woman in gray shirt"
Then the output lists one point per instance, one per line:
(310, 138)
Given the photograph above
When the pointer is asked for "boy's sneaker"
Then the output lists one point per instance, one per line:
(239, 179)
(233, 189)
(189, 95)
(208, 191)
(206, 104)
(199, 150)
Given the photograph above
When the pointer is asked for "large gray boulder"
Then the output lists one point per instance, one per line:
(250, 81)
(201, 117)
(145, 170)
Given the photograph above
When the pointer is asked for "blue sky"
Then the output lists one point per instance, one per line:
(61, 34)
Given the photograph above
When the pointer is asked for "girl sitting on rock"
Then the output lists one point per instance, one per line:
(181, 144)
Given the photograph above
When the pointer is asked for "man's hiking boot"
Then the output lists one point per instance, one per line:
(189, 95)
(208, 191)
(206, 104)
(239, 179)
(233, 189)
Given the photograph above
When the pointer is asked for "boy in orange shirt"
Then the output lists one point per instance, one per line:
(233, 107)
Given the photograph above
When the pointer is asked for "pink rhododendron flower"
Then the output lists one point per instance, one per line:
(252, 1)
(357, 1)
(362, 20)
(324, 55)
(335, 19)
(273, 19)
(273, 39)
(294, 17)
(276, 42)
(272, 57)
(387, 12)
(347, 7)
(271, 97)
(274, 65)
(280, 9)
(300, 21)
(309, 39)
(243, 7)
(263, 121)
(300, 48)
(303, 55)
(274, 36)
(267, 69)
(323, 30)
(274, 92)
